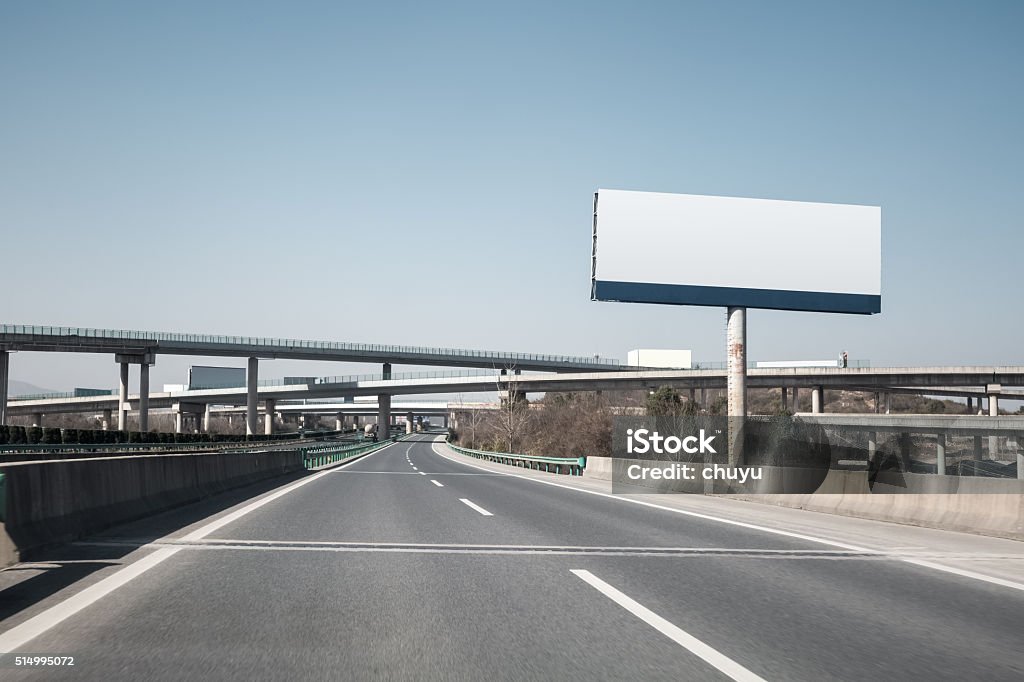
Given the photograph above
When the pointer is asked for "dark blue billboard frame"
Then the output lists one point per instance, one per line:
(774, 299)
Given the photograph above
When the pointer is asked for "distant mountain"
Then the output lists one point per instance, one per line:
(16, 388)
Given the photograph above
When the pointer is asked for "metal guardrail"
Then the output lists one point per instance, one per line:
(395, 376)
(315, 456)
(62, 395)
(718, 364)
(37, 450)
(573, 466)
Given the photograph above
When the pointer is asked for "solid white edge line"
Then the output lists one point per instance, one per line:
(21, 634)
(438, 484)
(423, 473)
(775, 531)
(712, 656)
(965, 573)
(684, 512)
(475, 507)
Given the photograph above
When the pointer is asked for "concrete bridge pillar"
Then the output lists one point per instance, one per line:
(905, 445)
(122, 399)
(105, 419)
(144, 361)
(143, 397)
(37, 419)
(386, 370)
(970, 405)
(252, 377)
(785, 399)
(878, 402)
(796, 400)
(993, 391)
(408, 422)
(888, 403)
(339, 421)
(5, 366)
(940, 454)
(384, 415)
(207, 417)
(178, 421)
(693, 395)
(872, 446)
(816, 406)
(268, 417)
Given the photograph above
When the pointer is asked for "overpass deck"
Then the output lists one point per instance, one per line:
(131, 342)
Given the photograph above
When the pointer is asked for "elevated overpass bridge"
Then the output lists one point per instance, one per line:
(977, 382)
(142, 347)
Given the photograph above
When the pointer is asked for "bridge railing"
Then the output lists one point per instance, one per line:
(292, 344)
(573, 466)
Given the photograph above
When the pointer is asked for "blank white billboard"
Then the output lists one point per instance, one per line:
(687, 249)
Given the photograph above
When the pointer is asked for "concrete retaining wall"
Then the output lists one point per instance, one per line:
(54, 502)
(987, 506)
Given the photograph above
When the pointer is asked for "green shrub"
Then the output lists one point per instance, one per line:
(17, 435)
(34, 434)
(134, 437)
(70, 436)
(51, 436)
(4, 434)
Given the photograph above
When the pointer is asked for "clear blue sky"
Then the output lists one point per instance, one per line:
(423, 173)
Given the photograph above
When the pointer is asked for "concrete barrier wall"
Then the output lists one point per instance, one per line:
(54, 502)
(987, 506)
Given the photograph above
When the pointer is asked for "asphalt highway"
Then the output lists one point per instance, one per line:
(415, 563)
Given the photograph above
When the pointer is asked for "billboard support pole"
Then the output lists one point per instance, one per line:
(736, 363)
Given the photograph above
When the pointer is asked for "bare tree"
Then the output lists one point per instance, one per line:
(513, 412)
(473, 417)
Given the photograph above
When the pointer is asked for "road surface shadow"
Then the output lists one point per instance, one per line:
(47, 571)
